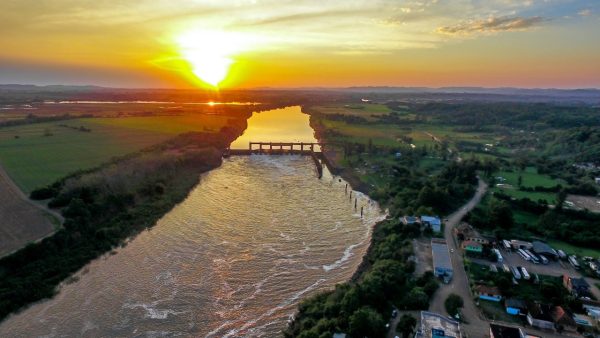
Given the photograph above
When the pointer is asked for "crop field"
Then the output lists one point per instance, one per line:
(35, 155)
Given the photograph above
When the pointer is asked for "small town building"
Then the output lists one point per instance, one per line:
(466, 232)
(501, 331)
(540, 316)
(442, 265)
(517, 244)
(544, 249)
(515, 306)
(597, 180)
(578, 287)
(339, 335)
(433, 222)
(472, 247)
(490, 293)
(438, 326)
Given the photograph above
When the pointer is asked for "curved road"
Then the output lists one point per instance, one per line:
(475, 326)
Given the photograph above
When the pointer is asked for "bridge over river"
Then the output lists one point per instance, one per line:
(286, 148)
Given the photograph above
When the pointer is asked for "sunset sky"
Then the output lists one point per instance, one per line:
(157, 43)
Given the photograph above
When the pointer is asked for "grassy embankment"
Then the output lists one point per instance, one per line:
(105, 206)
(38, 154)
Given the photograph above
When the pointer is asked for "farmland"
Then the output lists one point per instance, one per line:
(35, 155)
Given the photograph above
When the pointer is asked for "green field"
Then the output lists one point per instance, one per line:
(34, 160)
(366, 111)
(530, 178)
(572, 249)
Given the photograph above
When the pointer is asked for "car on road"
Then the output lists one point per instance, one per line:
(394, 313)
(451, 250)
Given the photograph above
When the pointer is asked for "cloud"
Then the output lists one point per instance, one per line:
(585, 12)
(492, 25)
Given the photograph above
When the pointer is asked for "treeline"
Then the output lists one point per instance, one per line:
(526, 116)
(362, 306)
(576, 227)
(105, 206)
(31, 118)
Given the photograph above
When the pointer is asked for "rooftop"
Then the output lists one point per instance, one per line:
(541, 247)
(431, 220)
(541, 312)
(436, 325)
(501, 331)
(441, 257)
(488, 290)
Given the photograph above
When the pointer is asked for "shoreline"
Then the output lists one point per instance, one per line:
(349, 176)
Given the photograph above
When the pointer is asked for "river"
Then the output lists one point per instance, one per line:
(252, 239)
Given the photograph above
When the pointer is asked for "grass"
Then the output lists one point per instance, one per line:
(496, 311)
(366, 111)
(530, 178)
(573, 250)
(34, 160)
(165, 124)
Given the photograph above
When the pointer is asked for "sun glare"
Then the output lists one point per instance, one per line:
(211, 53)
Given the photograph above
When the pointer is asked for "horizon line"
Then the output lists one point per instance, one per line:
(301, 87)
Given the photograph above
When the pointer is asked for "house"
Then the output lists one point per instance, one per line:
(515, 306)
(466, 232)
(490, 293)
(472, 247)
(407, 220)
(501, 331)
(442, 266)
(544, 249)
(597, 179)
(540, 316)
(438, 326)
(339, 335)
(433, 222)
(579, 287)
(563, 321)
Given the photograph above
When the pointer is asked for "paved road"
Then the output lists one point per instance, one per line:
(475, 325)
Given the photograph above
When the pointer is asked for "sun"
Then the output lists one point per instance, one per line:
(210, 54)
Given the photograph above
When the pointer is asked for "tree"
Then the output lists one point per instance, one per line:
(501, 215)
(453, 304)
(366, 322)
(406, 324)
(520, 181)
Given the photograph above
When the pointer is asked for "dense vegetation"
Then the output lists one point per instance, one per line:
(103, 207)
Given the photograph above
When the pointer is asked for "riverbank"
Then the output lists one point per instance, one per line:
(104, 207)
